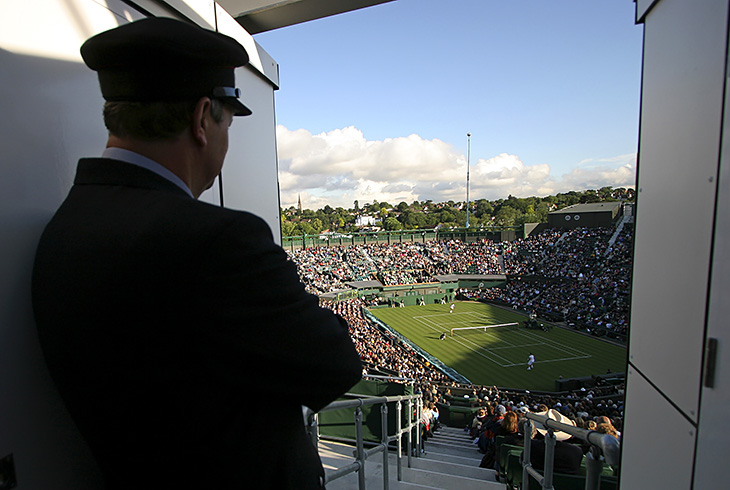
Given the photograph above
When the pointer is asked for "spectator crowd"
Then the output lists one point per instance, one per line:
(581, 276)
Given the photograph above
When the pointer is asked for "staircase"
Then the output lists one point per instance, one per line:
(619, 227)
(451, 462)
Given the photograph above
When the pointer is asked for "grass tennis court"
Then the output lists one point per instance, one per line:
(498, 356)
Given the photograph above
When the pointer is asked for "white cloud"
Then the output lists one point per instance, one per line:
(341, 166)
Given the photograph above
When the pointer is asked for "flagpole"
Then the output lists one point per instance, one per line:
(468, 157)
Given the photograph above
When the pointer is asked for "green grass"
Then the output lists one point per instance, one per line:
(499, 355)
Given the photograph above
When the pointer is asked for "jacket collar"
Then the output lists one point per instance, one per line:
(105, 171)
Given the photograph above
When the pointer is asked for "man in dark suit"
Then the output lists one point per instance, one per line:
(177, 332)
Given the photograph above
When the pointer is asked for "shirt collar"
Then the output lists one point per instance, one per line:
(146, 163)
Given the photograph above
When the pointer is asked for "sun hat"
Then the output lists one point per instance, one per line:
(558, 417)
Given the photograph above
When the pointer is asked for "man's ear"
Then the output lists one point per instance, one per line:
(199, 123)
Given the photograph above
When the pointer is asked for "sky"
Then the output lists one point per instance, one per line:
(376, 104)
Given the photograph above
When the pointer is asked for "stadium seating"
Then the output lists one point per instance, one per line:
(510, 471)
(505, 450)
(513, 473)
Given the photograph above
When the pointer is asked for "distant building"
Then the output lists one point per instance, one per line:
(592, 215)
(361, 221)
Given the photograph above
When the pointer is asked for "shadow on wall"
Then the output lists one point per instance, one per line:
(52, 116)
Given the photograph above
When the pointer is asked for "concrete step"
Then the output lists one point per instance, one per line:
(457, 436)
(453, 468)
(452, 445)
(447, 481)
(464, 443)
(468, 451)
(449, 458)
(431, 471)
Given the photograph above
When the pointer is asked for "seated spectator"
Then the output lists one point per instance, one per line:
(435, 415)
(476, 423)
(507, 429)
(488, 434)
(607, 429)
(566, 458)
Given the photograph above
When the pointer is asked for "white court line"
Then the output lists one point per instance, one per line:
(550, 360)
(484, 356)
(511, 346)
(554, 344)
(421, 319)
(450, 315)
(485, 349)
(575, 353)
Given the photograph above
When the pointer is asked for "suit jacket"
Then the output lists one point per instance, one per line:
(180, 337)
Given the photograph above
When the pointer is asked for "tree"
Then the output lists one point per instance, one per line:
(317, 225)
(606, 193)
(406, 218)
(483, 207)
(288, 228)
(589, 197)
(306, 228)
(506, 216)
(392, 224)
(447, 217)
(527, 218)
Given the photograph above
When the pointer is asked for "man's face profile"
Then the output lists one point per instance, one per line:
(218, 145)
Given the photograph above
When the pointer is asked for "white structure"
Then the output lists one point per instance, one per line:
(673, 435)
(361, 221)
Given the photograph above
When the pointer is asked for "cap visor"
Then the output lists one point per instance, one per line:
(238, 108)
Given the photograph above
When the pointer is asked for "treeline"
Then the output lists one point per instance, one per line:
(513, 211)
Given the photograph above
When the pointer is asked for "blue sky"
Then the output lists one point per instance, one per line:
(376, 103)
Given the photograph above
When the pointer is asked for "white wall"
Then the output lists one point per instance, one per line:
(711, 455)
(250, 173)
(683, 85)
(51, 109)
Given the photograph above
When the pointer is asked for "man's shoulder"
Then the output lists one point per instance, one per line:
(229, 216)
(152, 207)
(132, 182)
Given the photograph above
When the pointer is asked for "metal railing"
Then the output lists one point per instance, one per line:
(414, 411)
(602, 445)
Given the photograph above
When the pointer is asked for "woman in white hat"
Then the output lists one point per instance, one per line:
(567, 457)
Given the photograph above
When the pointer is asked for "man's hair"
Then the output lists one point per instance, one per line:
(153, 121)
